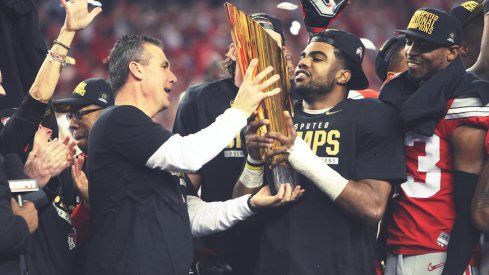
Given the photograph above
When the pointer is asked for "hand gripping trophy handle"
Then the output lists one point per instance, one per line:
(252, 41)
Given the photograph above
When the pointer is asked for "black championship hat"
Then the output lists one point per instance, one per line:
(389, 49)
(435, 26)
(465, 11)
(271, 23)
(91, 91)
(353, 49)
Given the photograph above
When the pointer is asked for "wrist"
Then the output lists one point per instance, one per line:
(304, 161)
(251, 204)
(254, 162)
(252, 175)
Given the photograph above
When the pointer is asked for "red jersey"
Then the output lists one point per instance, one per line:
(424, 210)
(359, 94)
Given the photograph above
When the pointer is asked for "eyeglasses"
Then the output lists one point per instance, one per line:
(77, 115)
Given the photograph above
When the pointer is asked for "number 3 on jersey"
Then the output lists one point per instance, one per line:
(427, 176)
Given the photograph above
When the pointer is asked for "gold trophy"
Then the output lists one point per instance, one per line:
(251, 41)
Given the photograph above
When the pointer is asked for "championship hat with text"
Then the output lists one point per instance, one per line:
(352, 47)
(91, 91)
(466, 11)
(435, 26)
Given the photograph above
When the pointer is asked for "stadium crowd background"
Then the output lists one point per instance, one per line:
(196, 34)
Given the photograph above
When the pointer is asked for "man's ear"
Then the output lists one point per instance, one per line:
(136, 70)
(343, 76)
(453, 52)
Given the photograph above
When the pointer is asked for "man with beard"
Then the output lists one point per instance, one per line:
(349, 154)
(444, 114)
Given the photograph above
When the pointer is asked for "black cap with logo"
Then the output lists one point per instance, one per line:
(91, 91)
(390, 48)
(466, 11)
(352, 47)
(272, 23)
(435, 26)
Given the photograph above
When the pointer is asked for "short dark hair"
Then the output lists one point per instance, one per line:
(344, 62)
(396, 57)
(127, 49)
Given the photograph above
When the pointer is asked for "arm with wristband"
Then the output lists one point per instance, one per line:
(77, 18)
(251, 179)
(364, 199)
(481, 66)
(469, 156)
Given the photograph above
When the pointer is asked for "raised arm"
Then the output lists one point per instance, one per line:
(481, 66)
(77, 18)
(189, 153)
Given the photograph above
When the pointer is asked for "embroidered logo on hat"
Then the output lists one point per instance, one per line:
(469, 5)
(435, 26)
(359, 52)
(423, 21)
(80, 88)
(103, 97)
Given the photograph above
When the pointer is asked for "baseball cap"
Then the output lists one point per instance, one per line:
(465, 11)
(436, 26)
(91, 91)
(271, 23)
(390, 47)
(352, 47)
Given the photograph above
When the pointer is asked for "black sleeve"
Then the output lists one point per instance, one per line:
(22, 126)
(23, 49)
(464, 235)
(134, 135)
(186, 118)
(381, 147)
(14, 233)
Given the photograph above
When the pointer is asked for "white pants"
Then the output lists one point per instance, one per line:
(424, 264)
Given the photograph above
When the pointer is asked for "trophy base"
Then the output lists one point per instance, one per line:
(283, 173)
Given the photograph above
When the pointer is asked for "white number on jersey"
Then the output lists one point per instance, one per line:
(426, 164)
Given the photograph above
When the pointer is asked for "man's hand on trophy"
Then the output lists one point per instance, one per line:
(318, 14)
(281, 153)
(255, 142)
(265, 199)
(251, 92)
(290, 64)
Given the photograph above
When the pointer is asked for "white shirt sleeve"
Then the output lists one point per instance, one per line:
(189, 153)
(212, 217)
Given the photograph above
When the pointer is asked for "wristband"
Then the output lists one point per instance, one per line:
(248, 202)
(308, 164)
(56, 42)
(486, 7)
(252, 175)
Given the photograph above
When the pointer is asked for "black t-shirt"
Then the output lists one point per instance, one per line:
(140, 223)
(53, 249)
(360, 139)
(199, 108)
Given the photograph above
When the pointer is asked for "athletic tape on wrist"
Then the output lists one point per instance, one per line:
(308, 164)
(252, 175)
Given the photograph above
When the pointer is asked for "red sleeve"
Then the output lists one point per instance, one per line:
(468, 111)
(80, 219)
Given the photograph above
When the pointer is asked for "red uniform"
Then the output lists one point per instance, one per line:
(424, 211)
